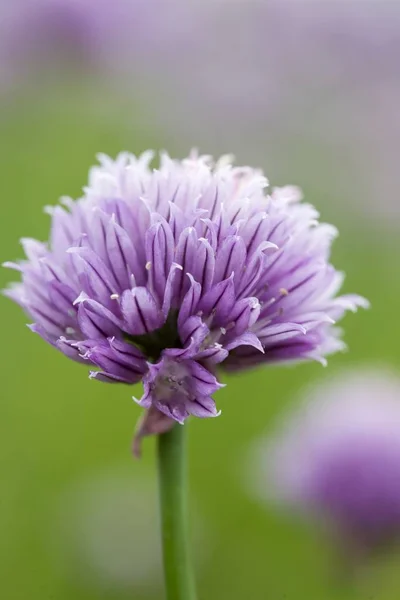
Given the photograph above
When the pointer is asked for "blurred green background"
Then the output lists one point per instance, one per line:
(78, 515)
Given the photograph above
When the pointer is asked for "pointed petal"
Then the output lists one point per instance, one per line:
(109, 361)
(159, 256)
(190, 301)
(203, 264)
(97, 280)
(246, 339)
(195, 330)
(140, 311)
(212, 356)
(244, 314)
(108, 377)
(219, 301)
(184, 256)
(203, 407)
(270, 330)
(96, 321)
(231, 257)
(122, 254)
(68, 347)
(206, 383)
(169, 288)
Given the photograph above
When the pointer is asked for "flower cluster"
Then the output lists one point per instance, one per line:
(337, 459)
(161, 274)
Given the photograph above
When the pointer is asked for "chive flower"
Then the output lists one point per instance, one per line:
(162, 275)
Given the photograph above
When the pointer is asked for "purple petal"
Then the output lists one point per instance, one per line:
(244, 314)
(273, 333)
(97, 280)
(203, 407)
(213, 355)
(250, 281)
(140, 311)
(176, 411)
(190, 301)
(219, 301)
(62, 296)
(68, 347)
(33, 249)
(255, 231)
(169, 288)
(159, 256)
(204, 381)
(48, 319)
(203, 264)
(195, 330)
(184, 256)
(110, 362)
(246, 339)
(17, 293)
(122, 255)
(96, 321)
(63, 232)
(127, 352)
(135, 220)
(108, 377)
(37, 328)
(351, 302)
(231, 258)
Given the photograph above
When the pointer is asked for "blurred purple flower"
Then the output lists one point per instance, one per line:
(160, 275)
(338, 458)
(286, 46)
(310, 80)
(97, 35)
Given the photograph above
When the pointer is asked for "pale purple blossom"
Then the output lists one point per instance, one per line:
(300, 83)
(105, 39)
(162, 274)
(336, 459)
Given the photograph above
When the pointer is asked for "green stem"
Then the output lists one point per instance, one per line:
(179, 579)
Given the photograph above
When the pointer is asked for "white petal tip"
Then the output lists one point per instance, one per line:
(11, 265)
(177, 266)
(364, 303)
(74, 250)
(80, 299)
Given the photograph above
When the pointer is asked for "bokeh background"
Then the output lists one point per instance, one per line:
(306, 89)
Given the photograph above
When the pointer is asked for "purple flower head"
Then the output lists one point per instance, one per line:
(338, 458)
(97, 35)
(161, 274)
(47, 31)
